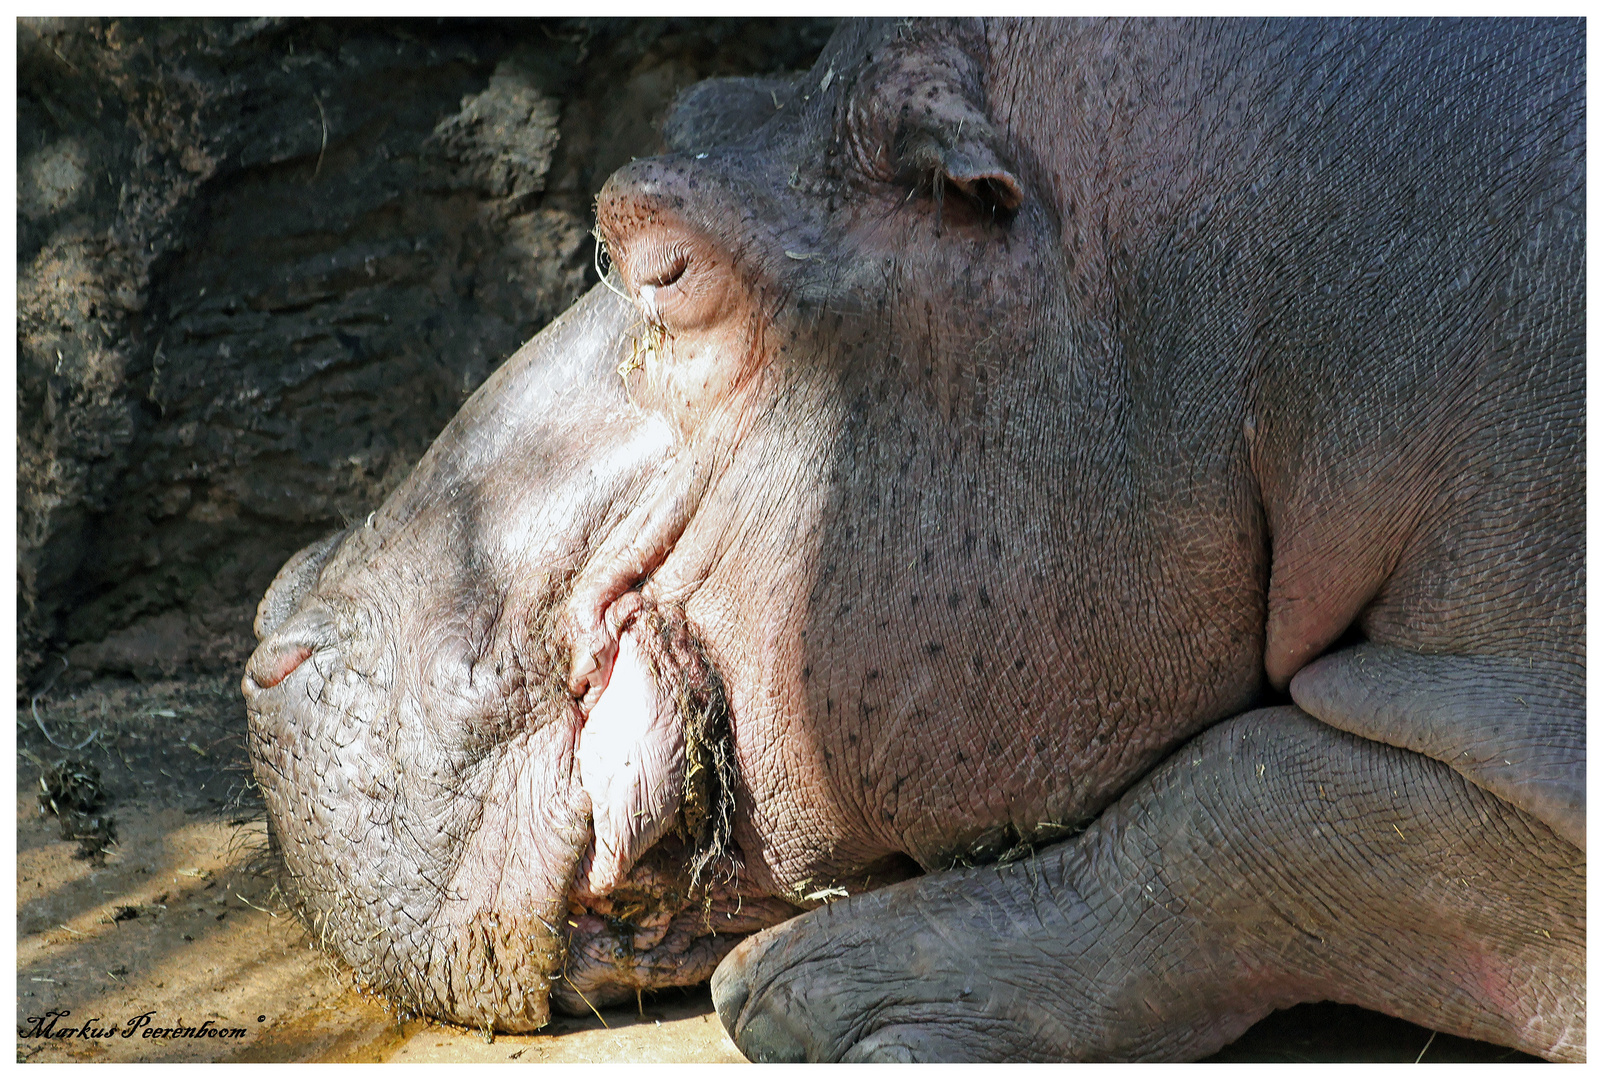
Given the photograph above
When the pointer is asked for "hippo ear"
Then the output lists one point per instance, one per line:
(961, 153)
(926, 91)
(974, 170)
(718, 111)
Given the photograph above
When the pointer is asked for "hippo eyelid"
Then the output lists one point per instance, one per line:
(668, 269)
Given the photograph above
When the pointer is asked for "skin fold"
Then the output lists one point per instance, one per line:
(1126, 475)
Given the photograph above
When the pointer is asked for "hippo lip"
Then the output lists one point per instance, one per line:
(657, 760)
(666, 906)
(630, 752)
(618, 617)
(650, 932)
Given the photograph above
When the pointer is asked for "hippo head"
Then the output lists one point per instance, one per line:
(740, 586)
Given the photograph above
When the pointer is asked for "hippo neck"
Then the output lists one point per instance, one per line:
(1212, 280)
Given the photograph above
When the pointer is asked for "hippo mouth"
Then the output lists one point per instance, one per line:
(653, 752)
(655, 899)
(655, 929)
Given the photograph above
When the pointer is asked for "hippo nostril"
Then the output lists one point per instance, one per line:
(298, 575)
(269, 667)
(302, 636)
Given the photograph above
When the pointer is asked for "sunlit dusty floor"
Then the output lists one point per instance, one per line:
(180, 920)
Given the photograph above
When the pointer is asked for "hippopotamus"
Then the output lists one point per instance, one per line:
(1051, 540)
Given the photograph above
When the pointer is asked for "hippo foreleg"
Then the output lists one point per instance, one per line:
(1272, 860)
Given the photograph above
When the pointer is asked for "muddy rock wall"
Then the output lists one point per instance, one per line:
(262, 262)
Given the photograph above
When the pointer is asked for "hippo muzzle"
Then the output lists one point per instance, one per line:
(471, 835)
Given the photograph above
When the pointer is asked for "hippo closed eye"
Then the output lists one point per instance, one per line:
(1126, 476)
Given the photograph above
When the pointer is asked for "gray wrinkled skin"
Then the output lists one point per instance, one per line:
(994, 421)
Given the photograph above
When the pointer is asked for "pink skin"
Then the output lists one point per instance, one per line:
(631, 761)
(276, 668)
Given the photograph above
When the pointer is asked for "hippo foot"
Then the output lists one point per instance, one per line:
(991, 964)
(1226, 884)
(880, 977)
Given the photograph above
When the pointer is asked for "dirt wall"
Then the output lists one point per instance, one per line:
(262, 262)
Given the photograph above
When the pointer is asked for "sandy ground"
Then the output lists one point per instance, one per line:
(180, 918)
